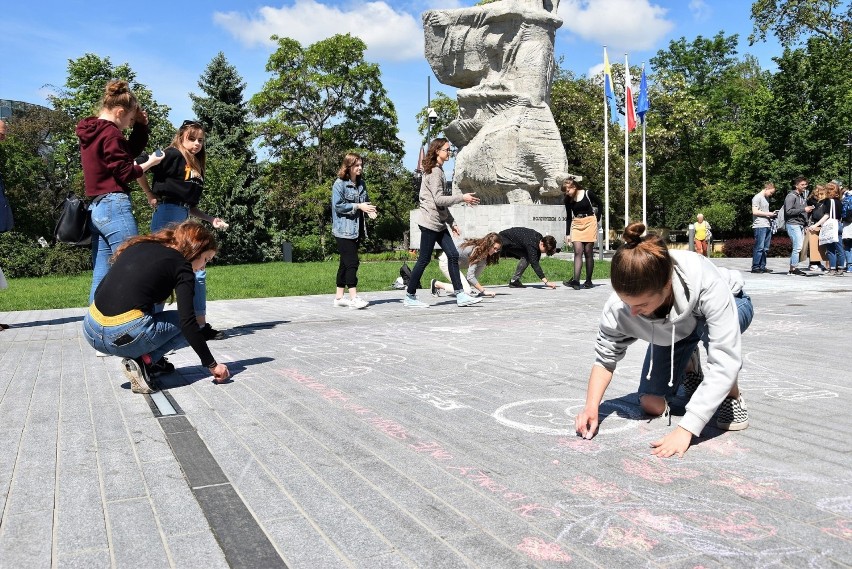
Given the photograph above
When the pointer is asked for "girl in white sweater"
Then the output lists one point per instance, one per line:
(672, 299)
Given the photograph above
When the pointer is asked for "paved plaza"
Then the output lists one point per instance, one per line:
(436, 438)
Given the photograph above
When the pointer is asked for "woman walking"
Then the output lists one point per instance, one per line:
(434, 219)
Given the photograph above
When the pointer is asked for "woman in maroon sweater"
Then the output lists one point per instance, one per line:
(109, 167)
(146, 270)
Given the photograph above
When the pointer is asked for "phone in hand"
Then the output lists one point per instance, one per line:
(158, 152)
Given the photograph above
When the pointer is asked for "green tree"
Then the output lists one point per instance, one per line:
(320, 102)
(791, 21)
(222, 108)
(231, 187)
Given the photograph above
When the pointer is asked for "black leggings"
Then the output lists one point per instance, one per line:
(347, 271)
(584, 250)
(428, 239)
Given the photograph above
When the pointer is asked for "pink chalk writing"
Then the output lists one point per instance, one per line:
(540, 550)
(658, 522)
(741, 526)
(593, 488)
(750, 488)
(841, 529)
(655, 470)
(626, 538)
(433, 449)
(389, 427)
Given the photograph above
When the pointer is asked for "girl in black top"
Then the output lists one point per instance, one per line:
(178, 182)
(146, 270)
(582, 213)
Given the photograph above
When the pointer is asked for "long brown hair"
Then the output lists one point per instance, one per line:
(482, 249)
(189, 238)
(198, 161)
(117, 93)
(431, 158)
(641, 264)
(348, 161)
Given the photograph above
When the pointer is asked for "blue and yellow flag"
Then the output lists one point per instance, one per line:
(609, 92)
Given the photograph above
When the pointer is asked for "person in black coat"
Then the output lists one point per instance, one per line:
(527, 245)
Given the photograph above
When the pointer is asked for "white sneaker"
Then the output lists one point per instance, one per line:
(342, 302)
(358, 303)
(410, 301)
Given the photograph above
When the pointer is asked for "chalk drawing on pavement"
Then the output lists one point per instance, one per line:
(551, 417)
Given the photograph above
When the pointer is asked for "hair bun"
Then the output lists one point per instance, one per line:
(632, 235)
(117, 87)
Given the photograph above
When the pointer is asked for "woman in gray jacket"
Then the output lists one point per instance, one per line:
(672, 300)
(434, 220)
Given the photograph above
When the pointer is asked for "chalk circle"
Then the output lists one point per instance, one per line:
(380, 359)
(551, 417)
(339, 347)
(347, 371)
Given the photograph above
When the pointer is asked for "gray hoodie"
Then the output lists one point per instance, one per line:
(701, 290)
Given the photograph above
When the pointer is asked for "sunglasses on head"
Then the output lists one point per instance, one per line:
(192, 123)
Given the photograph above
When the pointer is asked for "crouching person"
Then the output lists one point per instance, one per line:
(147, 270)
(672, 300)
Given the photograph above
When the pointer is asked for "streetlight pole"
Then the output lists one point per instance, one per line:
(849, 161)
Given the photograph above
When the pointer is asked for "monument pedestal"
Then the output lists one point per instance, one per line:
(476, 221)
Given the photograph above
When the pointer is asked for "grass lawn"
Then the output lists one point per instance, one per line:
(268, 280)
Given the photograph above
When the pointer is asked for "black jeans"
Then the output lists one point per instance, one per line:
(347, 271)
(428, 238)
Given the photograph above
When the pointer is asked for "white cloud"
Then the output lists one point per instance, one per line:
(390, 35)
(620, 24)
(700, 10)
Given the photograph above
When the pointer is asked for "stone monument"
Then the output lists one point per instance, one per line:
(500, 57)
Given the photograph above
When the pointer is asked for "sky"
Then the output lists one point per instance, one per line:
(169, 44)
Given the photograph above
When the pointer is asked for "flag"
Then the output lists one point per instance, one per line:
(629, 109)
(642, 104)
(609, 93)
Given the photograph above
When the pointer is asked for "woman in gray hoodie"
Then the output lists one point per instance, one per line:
(673, 300)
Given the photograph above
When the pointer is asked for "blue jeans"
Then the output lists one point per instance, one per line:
(112, 224)
(847, 250)
(658, 384)
(167, 214)
(762, 238)
(153, 334)
(834, 252)
(797, 236)
(428, 238)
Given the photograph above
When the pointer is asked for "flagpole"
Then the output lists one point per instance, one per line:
(644, 186)
(606, 164)
(626, 151)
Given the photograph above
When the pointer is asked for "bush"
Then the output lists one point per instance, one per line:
(780, 246)
(308, 248)
(21, 256)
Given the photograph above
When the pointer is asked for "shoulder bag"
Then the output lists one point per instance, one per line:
(72, 227)
(829, 229)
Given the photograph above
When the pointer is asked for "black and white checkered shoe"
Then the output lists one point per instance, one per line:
(732, 414)
(692, 379)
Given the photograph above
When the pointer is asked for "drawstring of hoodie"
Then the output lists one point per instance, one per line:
(671, 356)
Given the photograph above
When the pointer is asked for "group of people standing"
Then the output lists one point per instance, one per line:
(804, 216)
(135, 275)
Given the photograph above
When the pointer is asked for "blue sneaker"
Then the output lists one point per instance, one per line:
(410, 301)
(464, 299)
